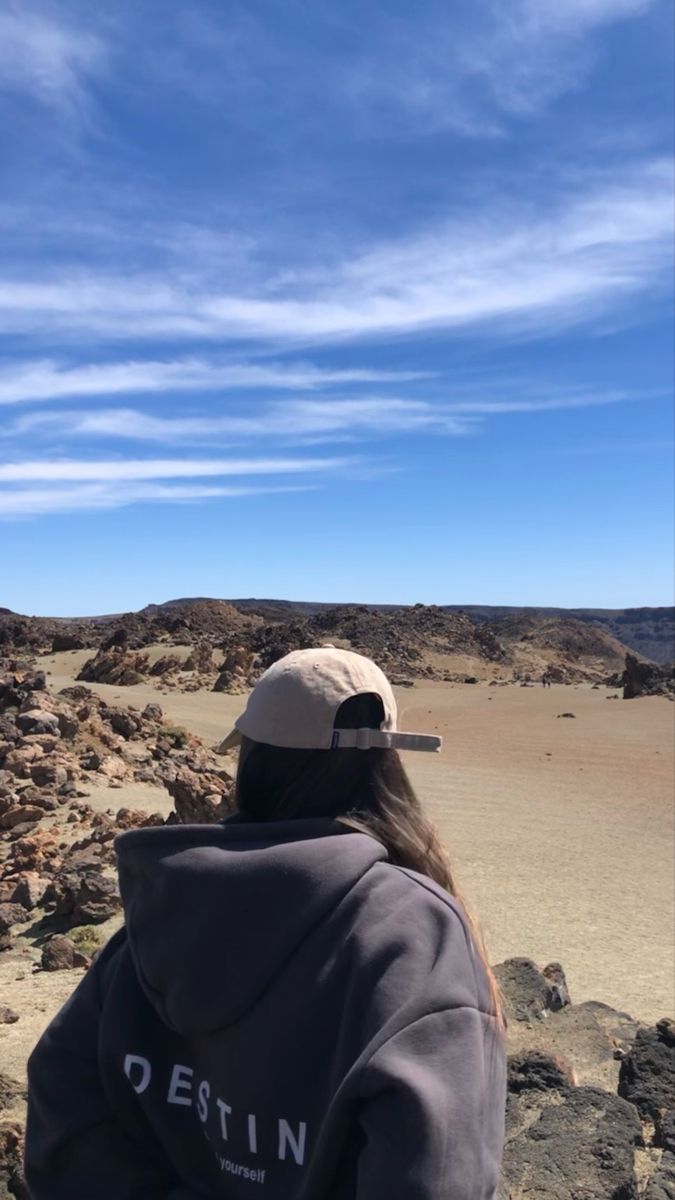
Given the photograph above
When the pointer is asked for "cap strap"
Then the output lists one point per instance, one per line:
(383, 739)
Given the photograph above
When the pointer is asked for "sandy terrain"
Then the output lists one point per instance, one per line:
(561, 830)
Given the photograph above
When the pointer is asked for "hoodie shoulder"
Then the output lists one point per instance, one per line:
(420, 941)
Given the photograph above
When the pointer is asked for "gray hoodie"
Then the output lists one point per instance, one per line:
(285, 1015)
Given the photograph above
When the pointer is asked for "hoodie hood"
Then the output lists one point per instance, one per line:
(214, 912)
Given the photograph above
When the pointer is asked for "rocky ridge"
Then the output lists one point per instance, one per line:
(211, 645)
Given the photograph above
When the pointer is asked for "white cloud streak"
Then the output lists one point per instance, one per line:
(318, 420)
(33, 502)
(46, 379)
(515, 269)
(73, 470)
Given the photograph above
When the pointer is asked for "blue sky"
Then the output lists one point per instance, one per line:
(336, 301)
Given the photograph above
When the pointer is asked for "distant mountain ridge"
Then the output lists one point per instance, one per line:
(648, 631)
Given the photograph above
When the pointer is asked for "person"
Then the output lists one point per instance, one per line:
(298, 1005)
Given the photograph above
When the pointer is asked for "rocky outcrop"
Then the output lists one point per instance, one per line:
(56, 852)
(564, 1142)
(84, 895)
(647, 679)
(647, 1076)
(116, 666)
(528, 992)
(568, 1132)
(199, 798)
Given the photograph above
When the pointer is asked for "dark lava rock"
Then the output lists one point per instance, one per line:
(647, 679)
(85, 896)
(11, 914)
(532, 1069)
(152, 712)
(60, 954)
(67, 641)
(8, 730)
(7, 1015)
(125, 723)
(647, 1075)
(68, 725)
(527, 993)
(12, 1182)
(574, 1144)
(38, 720)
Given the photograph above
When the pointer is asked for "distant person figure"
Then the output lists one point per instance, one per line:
(298, 999)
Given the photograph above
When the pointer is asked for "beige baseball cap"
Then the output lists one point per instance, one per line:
(295, 702)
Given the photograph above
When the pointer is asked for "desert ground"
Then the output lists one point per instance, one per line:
(561, 830)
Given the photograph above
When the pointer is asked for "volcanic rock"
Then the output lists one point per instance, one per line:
(201, 659)
(123, 721)
(60, 954)
(19, 761)
(21, 814)
(661, 1186)
(12, 1183)
(166, 665)
(69, 724)
(30, 889)
(198, 799)
(527, 993)
(83, 894)
(37, 851)
(8, 1016)
(48, 772)
(647, 679)
(647, 1075)
(115, 666)
(532, 1069)
(11, 914)
(66, 641)
(570, 1143)
(38, 720)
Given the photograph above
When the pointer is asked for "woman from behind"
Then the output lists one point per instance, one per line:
(298, 1005)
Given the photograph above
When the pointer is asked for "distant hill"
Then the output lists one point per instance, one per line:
(577, 643)
(648, 631)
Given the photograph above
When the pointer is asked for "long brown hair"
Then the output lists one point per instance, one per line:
(366, 790)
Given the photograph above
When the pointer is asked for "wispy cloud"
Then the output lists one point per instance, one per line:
(48, 59)
(76, 485)
(319, 420)
(33, 502)
(469, 67)
(472, 68)
(586, 254)
(71, 470)
(46, 379)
